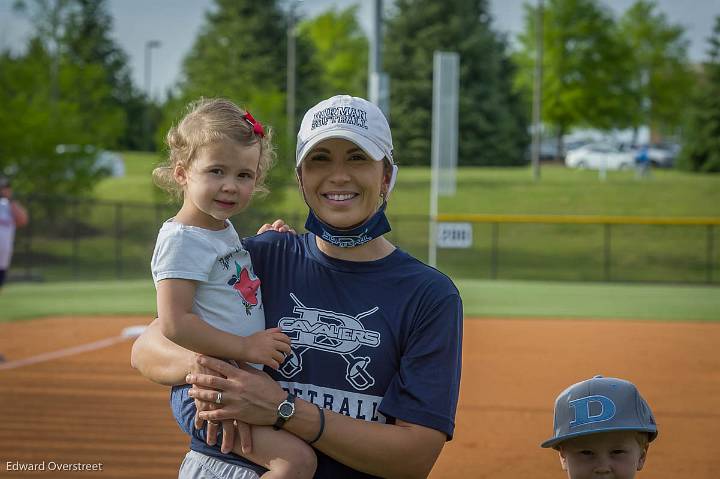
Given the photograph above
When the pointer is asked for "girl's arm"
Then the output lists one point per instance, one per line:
(180, 325)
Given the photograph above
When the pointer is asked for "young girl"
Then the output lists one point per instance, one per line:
(208, 297)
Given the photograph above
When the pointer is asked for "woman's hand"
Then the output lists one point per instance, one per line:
(248, 395)
(212, 426)
(278, 225)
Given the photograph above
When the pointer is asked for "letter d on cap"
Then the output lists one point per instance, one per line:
(582, 410)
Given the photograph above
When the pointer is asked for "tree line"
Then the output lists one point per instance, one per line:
(72, 83)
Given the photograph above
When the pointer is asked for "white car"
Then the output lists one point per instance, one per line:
(600, 156)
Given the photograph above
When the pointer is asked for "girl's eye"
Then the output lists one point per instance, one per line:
(246, 175)
(216, 171)
(319, 157)
(619, 451)
(358, 158)
(586, 452)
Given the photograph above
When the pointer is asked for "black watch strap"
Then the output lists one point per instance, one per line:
(285, 411)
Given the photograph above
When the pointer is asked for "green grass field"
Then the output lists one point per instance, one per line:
(105, 240)
(492, 190)
(480, 299)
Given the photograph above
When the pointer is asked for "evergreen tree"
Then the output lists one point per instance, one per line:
(586, 70)
(492, 119)
(341, 49)
(702, 140)
(86, 68)
(88, 42)
(241, 54)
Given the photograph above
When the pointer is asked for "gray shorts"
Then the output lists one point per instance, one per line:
(200, 466)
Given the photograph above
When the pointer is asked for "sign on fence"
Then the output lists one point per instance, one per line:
(454, 235)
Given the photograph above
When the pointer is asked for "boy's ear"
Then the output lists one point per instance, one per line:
(643, 456)
(563, 460)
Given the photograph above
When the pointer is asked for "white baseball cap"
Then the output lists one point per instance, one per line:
(352, 118)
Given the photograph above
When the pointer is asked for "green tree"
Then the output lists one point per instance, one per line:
(586, 70)
(658, 51)
(88, 41)
(492, 120)
(701, 151)
(341, 49)
(30, 130)
(54, 96)
(241, 54)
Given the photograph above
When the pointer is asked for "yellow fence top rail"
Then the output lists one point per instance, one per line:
(579, 219)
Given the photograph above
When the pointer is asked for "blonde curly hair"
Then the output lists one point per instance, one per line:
(209, 120)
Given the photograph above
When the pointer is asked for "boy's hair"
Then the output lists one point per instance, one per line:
(642, 438)
(600, 405)
(209, 120)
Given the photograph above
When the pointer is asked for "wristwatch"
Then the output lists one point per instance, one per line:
(285, 411)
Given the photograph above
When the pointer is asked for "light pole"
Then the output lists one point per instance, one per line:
(378, 81)
(149, 45)
(537, 92)
(290, 112)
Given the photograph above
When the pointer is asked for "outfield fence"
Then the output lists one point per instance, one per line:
(72, 239)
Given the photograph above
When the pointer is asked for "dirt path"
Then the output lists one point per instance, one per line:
(93, 408)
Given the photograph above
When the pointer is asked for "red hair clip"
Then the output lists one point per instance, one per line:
(257, 126)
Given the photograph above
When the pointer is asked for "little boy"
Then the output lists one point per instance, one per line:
(602, 428)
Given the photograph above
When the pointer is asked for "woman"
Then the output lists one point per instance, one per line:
(373, 378)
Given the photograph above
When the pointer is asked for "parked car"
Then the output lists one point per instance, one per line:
(596, 156)
(549, 150)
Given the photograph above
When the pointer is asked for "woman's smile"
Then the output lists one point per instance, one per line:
(339, 197)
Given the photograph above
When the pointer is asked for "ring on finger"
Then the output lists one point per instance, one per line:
(218, 399)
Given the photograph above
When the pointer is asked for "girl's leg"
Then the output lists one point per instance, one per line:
(283, 454)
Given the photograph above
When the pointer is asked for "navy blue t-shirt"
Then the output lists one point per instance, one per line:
(378, 340)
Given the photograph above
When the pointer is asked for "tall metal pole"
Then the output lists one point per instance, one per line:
(375, 53)
(537, 92)
(149, 45)
(291, 76)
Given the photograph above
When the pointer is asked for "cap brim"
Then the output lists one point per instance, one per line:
(553, 442)
(367, 145)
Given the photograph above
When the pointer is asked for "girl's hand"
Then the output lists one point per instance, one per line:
(278, 225)
(269, 348)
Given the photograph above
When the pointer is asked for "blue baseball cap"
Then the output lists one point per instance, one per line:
(599, 405)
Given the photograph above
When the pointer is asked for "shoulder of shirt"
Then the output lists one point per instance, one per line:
(270, 238)
(431, 275)
(177, 231)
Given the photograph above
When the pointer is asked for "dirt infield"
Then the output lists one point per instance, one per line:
(93, 408)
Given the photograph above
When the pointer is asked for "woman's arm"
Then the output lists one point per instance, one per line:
(180, 325)
(253, 397)
(159, 359)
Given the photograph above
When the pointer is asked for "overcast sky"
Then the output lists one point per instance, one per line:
(175, 24)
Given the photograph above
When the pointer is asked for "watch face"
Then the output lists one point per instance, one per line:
(286, 410)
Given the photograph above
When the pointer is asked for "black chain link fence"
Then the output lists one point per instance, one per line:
(96, 240)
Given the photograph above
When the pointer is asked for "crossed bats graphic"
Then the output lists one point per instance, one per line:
(297, 328)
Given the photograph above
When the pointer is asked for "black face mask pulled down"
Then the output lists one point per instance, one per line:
(374, 227)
